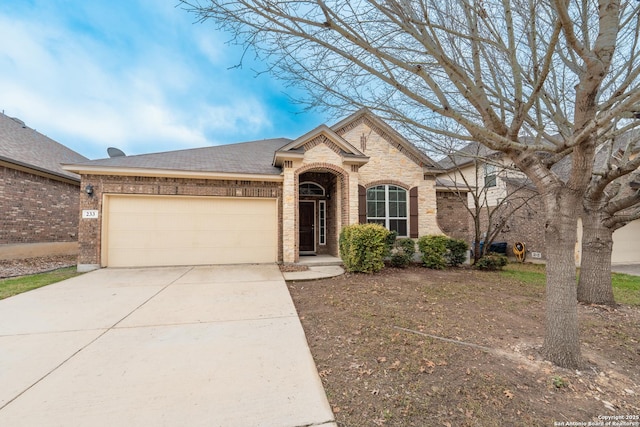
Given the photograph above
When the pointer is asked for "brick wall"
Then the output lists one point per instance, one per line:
(524, 225)
(453, 218)
(90, 230)
(36, 209)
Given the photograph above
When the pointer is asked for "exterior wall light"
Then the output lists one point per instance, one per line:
(89, 190)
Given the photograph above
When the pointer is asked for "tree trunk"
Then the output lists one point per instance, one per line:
(562, 343)
(594, 285)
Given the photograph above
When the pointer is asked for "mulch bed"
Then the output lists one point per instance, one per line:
(23, 267)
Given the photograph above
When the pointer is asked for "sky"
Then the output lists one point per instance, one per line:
(139, 75)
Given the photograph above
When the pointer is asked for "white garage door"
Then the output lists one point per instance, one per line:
(175, 230)
(626, 244)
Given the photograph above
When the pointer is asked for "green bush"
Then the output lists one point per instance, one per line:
(402, 252)
(456, 252)
(433, 251)
(491, 262)
(363, 247)
(390, 242)
(439, 252)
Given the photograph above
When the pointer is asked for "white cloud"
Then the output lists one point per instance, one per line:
(136, 75)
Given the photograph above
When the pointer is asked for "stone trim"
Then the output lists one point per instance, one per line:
(391, 140)
(387, 182)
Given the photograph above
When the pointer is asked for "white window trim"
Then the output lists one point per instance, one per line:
(387, 218)
(322, 223)
(315, 184)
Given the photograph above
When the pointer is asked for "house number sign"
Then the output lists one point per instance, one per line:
(89, 213)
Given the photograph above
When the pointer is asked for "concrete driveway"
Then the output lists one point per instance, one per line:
(176, 346)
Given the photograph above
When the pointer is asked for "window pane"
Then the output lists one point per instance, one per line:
(371, 208)
(376, 221)
(399, 226)
(402, 209)
(380, 209)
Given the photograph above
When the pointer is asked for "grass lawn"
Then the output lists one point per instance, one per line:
(17, 285)
(626, 288)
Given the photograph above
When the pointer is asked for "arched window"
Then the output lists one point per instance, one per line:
(387, 206)
(311, 189)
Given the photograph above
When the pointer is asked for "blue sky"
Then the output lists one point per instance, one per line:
(139, 75)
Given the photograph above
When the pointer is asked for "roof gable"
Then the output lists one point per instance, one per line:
(387, 133)
(320, 135)
(27, 148)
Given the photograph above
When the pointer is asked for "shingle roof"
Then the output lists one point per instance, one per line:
(26, 147)
(465, 155)
(253, 157)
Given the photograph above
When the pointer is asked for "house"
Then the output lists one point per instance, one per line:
(38, 199)
(476, 170)
(492, 176)
(254, 202)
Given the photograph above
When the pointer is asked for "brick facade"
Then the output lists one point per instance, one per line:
(524, 225)
(36, 209)
(453, 218)
(90, 229)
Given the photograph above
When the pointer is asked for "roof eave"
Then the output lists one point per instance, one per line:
(25, 167)
(280, 156)
(170, 173)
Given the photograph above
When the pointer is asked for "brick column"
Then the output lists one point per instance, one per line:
(289, 222)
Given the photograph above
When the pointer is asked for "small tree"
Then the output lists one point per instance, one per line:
(476, 175)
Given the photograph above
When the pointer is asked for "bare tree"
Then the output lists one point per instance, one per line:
(558, 72)
(609, 203)
(475, 175)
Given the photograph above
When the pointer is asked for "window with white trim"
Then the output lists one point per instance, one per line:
(322, 222)
(387, 206)
(311, 189)
(490, 172)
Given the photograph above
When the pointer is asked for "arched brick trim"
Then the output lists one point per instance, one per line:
(387, 182)
(344, 190)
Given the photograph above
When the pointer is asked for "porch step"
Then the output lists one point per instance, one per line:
(319, 260)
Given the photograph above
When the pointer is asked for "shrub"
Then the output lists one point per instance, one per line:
(457, 252)
(363, 247)
(402, 252)
(491, 262)
(433, 251)
(390, 242)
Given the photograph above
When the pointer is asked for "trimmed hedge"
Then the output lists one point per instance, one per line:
(439, 252)
(402, 252)
(433, 250)
(363, 247)
(457, 252)
(491, 262)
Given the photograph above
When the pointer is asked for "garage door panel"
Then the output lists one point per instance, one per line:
(626, 249)
(175, 230)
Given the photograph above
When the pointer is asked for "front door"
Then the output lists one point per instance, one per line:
(307, 229)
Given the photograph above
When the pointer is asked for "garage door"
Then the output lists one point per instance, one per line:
(176, 230)
(626, 247)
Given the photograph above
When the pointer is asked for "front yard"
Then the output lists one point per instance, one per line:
(418, 347)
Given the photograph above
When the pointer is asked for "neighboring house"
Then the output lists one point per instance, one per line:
(499, 179)
(479, 170)
(253, 202)
(38, 199)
